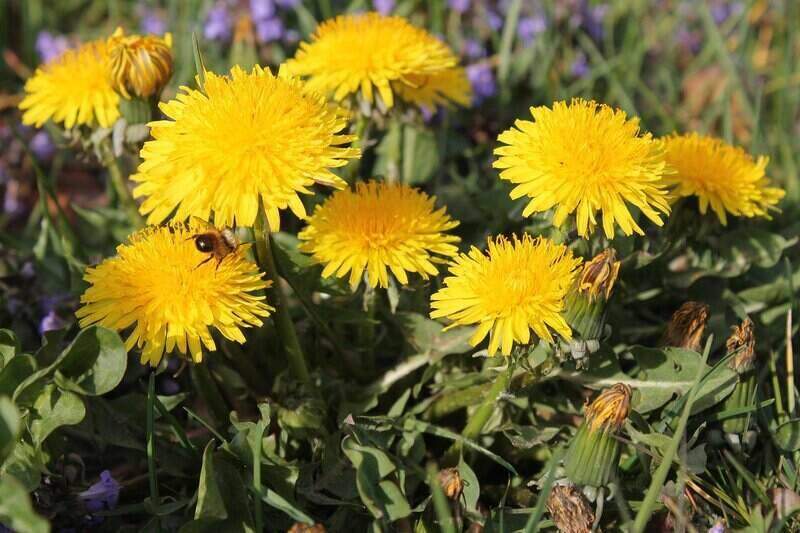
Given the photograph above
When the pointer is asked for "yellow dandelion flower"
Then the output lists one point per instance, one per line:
(141, 65)
(379, 227)
(369, 52)
(583, 157)
(73, 90)
(157, 284)
(243, 140)
(720, 175)
(516, 287)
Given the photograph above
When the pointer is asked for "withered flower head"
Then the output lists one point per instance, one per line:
(610, 410)
(599, 275)
(685, 328)
(743, 342)
(569, 510)
(451, 483)
(300, 527)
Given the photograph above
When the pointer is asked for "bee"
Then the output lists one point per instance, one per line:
(217, 243)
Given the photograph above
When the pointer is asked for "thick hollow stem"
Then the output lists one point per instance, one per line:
(152, 472)
(277, 298)
(120, 186)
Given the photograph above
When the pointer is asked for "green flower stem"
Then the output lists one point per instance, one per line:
(277, 298)
(152, 473)
(208, 390)
(367, 330)
(119, 183)
(487, 407)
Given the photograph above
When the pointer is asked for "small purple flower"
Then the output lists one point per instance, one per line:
(494, 20)
(50, 46)
(291, 36)
(580, 66)
(42, 146)
(722, 10)
(287, 4)
(12, 205)
(103, 495)
(168, 386)
(481, 78)
(530, 27)
(152, 22)
(51, 322)
(592, 20)
(718, 527)
(459, 6)
(219, 24)
(261, 9)
(473, 49)
(268, 30)
(384, 7)
(689, 40)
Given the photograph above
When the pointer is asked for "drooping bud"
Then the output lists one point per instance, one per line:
(594, 452)
(569, 510)
(585, 306)
(686, 327)
(451, 483)
(300, 527)
(140, 65)
(741, 347)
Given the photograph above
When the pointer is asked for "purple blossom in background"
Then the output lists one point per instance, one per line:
(51, 322)
(481, 78)
(219, 24)
(722, 10)
(291, 36)
(384, 7)
(690, 40)
(717, 528)
(103, 495)
(287, 4)
(530, 27)
(459, 6)
(50, 46)
(152, 22)
(270, 29)
(261, 9)
(42, 146)
(580, 66)
(494, 20)
(11, 204)
(592, 20)
(473, 49)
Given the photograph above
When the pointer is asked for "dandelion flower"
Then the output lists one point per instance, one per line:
(73, 90)
(243, 140)
(516, 287)
(720, 175)
(141, 65)
(381, 228)
(583, 157)
(156, 284)
(370, 52)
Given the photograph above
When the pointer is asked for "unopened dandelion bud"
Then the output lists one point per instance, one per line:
(594, 452)
(300, 527)
(686, 327)
(140, 65)
(586, 303)
(451, 483)
(741, 350)
(569, 510)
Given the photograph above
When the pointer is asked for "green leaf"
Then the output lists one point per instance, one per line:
(382, 497)
(787, 435)
(94, 363)
(752, 245)
(374, 460)
(16, 510)
(472, 487)
(9, 346)
(15, 372)
(52, 409)
(9, 427)
(276, 501)
(429, 336)
(209, 498)
(26, 464)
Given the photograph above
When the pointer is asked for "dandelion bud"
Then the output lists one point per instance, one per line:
(300, 527)
(451, 483)
(594, 452)
(741, 349)
(686, 327)
(569, 510)
(586, 303)
(140, 65)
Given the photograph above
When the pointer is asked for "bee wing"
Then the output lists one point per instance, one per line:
(199, 224)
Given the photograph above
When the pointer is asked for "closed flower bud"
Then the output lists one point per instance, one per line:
(451, 483)
(686, 327)
(594, 452)
(300, 527)
(586, 302)
(569, 510)
(140, 65)
(741, 347)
